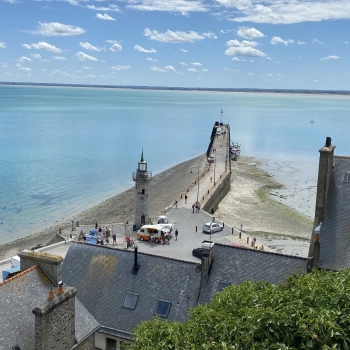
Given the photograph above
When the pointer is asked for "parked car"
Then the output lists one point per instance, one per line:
(212, 227)
(198, 252)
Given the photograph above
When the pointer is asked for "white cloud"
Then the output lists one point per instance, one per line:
(183, 63)
(277, 40)
(24, 59)
(251, 74)
(231, 70)
(222, 31)
(87, 46)
(287, 11)
(205, 70)
(244, 43)
(115, 46)
(210, 35)
(269, 58)
(120, 67)
(316, 41)
(141, 49)
(36, 55)
(5, 65)
(181, 6)
(177, 37)
(269, 75)
(170, 69)
(249, 33)
(90, 76)
(156, 69)
(111, 8)
(57, 29)
(25, 69)
(87, 68)
(105, 17)
(84, 57)
(301, 42)
(42, 45)
(183, 50)
(332, 57)
(26, 46)
(151, 59)
(2, 45)
(192, 70)
(59, 58)
(244, 51)
(196, 64)
(236, 59)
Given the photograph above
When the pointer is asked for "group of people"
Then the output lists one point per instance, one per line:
(196, 206)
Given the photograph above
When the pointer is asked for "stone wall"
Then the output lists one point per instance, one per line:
(222, 188)
(87, 344)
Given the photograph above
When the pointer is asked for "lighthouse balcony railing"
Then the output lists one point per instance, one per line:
(142, 175)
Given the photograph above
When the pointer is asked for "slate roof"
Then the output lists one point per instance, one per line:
(18, 297)
(235, 265)
(102, 277)
(335, 230)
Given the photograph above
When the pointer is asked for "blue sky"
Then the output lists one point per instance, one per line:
(294, 44)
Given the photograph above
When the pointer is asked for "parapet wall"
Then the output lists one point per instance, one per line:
(223, 186)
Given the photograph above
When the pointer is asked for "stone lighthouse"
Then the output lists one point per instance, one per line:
(142, 178)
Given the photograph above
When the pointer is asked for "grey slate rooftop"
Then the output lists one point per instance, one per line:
(335, 230)
(103, 278)
(18, 297)
(233, 265)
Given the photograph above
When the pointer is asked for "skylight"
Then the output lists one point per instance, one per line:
(222, 285)
(163, 307)
(130, 300)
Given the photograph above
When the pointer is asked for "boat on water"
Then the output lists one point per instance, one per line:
(235, 150)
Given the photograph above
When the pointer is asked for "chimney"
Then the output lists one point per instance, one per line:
(49, 263)
(135, 268)
(55, 321)
(206, 258)
(325, 171)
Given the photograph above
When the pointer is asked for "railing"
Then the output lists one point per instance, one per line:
(142, 175)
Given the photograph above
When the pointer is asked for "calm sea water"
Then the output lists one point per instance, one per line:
(65, 149)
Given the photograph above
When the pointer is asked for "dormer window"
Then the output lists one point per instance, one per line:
(347, 177)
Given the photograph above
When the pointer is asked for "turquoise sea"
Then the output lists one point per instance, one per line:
(65, 149)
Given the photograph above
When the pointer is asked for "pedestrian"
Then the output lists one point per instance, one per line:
(176, 234)
(211, 179)
(96, 226)
(185, 198)
(175, 203)
(152, 240)
(100, 229)
(127, 239)
(192, 208)
(114, 239)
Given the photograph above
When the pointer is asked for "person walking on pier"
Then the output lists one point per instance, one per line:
(114, 236)
(176, 234)
(175, 203)
(185, 198)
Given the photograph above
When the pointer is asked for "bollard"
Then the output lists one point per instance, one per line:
(208, 191)
(247, 239)
(196, 228)
(59, 230)
(252, 244)
(77, 224)
(240, 234)
(195, 182)
(232, 230)
(223, 225)
(203, 197)
(181, 196)
(188, 190)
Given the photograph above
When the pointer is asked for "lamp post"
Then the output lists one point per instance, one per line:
(198, 180)
(214, 168)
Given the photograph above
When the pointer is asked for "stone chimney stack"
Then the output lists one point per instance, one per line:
(325, 171)
(55, 321)
(49, 263)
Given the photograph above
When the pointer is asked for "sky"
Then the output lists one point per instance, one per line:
(272, 44)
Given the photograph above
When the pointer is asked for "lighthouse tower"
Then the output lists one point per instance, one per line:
(142, 178)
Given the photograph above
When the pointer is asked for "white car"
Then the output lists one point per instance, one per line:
(212, 227)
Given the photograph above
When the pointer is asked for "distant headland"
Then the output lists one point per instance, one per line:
(166, 88)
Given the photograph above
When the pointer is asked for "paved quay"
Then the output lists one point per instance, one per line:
(188, 223)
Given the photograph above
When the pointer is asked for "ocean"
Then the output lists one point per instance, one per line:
(66, 149)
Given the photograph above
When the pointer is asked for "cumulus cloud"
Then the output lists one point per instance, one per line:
(110, 7)
(87, 46)
(277, 40)
(236, 59)
(24, 59)
(192, 70)
(183, 50)
(120, 67)
(244, 51)
(105, 17)
(205, 70)
(59, 58)
(36, 55)
(156, 69)
(151, 59)
(288, 12)
(183, 63)
(141, 49)
(2, 45)
(115, 46)
(316, 41)
(87, 68)
(170, 68)
(165, 69)
(332, 57)
(301, 42)
(42, 45)
(249, 33)
(176, 37)
(84, 57)
(196, 64)
(244, 43)
(57, 29)
(176, 6)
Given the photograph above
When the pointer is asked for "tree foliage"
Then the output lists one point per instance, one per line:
(309, 311)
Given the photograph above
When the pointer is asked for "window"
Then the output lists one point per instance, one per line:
(222, 285)
(163, 307)
(130, 300)
(347, 177)
(143, 191)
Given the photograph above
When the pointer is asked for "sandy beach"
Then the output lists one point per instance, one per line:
(278, 215)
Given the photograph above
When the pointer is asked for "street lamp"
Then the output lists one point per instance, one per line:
(214, 168)
(198, 181)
